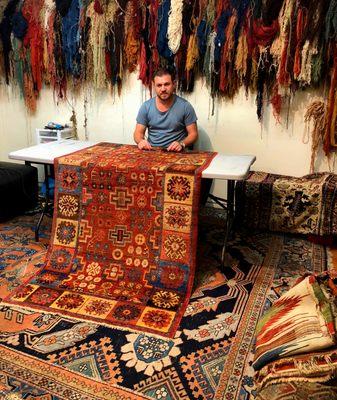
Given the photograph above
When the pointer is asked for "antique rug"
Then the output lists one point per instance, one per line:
(299, 391)
(48, 356)
(124, 237)
(306, 205)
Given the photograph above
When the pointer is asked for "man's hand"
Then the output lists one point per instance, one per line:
(144, 145)
(175, 146)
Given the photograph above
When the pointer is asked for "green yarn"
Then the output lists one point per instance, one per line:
(316, 67)
(331, 21)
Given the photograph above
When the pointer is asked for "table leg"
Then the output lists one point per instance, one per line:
(229, 219)
(46, 205)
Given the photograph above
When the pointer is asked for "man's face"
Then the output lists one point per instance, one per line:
(164, 86)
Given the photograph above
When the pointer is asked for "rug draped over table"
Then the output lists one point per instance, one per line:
(124, 237)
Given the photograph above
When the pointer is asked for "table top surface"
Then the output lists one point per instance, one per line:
(223, 166)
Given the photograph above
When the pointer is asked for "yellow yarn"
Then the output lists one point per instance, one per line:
(317, 113)
(241, 56)
(96, 48)
(192, 52)
(131, 46)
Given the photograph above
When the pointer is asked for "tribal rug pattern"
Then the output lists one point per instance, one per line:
(137, 272)
(52, 357)
(306, 205)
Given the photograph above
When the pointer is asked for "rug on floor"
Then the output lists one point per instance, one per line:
(124, 237)
(210, 356)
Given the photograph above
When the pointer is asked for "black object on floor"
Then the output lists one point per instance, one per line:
(18, 189)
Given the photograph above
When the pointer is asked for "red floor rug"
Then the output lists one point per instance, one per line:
(123, 245)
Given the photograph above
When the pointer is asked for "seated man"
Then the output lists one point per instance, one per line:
(170, 119)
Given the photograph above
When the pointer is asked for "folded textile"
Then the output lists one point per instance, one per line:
(302, 320)
(311, 367)
(305, 205)
(298, 391)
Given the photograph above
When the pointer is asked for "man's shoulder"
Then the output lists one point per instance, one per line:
(182, 102)
(149, 103)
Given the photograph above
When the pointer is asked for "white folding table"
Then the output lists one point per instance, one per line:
(230, 168)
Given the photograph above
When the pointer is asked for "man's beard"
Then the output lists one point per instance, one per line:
(165, 96)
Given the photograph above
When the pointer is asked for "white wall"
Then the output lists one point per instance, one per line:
(233, 128)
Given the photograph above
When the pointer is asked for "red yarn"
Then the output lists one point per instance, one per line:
(107, 65)
(143, 76)
(331, 103)
(98, 8)
(264, 35)
(300, 26)
(34, 39)
(284, 77)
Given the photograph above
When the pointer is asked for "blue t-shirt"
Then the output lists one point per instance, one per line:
(165, 127)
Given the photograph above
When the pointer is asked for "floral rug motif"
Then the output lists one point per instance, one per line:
(211, 355)
(124, 235)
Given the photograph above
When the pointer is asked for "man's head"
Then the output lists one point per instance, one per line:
(164, 83)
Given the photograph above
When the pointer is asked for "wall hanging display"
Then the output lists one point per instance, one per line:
(271, 48)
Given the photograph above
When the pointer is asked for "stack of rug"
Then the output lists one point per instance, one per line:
(306, 205)
(296, 341)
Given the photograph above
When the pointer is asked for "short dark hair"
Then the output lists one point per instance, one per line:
(165, 71)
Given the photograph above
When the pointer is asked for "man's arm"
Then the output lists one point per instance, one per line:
(139, 137)
(192, 136)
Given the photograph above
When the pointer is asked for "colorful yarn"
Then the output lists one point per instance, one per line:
(63, 6)
(71, 38)
(174, 27)
(202, 34)
(33, 40)
(264, 35)
(5, 34)
(19, 25)
(162, 41)
(271, 47)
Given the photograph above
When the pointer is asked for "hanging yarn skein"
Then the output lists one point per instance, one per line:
(273, 48)
(316, 112)
(175, 28)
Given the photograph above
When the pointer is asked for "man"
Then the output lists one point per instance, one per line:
(170, 119)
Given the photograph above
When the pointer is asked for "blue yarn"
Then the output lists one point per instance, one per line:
(19, 25)
(162, 41)
(203, 30)
(221, 31)
(62, 6)
(71, 39)
(241, 7)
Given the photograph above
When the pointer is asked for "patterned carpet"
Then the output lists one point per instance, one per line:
(123, 244)
(52, 357)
